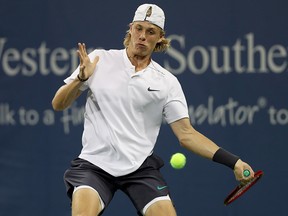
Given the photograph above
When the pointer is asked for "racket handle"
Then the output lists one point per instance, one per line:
(246, 173)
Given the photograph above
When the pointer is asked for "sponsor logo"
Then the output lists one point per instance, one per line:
(149, 89)
(161, 187)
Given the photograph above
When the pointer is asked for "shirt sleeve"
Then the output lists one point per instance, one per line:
(175, 107)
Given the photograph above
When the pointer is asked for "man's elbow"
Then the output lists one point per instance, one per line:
(183, 141)
(187, 139)
(57, 106)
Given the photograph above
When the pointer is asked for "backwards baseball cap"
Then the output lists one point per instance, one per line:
(151, 13)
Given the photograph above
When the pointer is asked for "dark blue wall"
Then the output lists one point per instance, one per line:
(230, 57)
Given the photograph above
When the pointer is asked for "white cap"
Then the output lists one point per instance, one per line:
(151, 13)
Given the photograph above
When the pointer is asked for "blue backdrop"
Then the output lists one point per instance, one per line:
(230, 57)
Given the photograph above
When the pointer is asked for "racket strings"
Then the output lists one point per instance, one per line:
(243, 188)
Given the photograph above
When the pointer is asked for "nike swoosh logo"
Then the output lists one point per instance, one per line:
(161, 187)
(149, 89)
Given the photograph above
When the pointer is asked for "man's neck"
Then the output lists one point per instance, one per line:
(140, 62)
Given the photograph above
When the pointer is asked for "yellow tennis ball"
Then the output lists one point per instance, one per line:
(178, 160)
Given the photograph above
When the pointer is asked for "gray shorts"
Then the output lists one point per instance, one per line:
(142, 186)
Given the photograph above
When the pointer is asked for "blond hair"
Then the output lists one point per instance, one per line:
(160, 47)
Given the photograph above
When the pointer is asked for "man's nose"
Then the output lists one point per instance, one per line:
(142, 36)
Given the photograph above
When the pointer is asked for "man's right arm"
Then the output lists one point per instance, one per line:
(66, 95)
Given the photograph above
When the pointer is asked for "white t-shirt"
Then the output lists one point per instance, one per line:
(124, 111)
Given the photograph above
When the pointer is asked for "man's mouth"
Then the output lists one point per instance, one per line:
(141, 45)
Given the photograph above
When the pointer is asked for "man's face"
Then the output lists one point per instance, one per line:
(144, 37)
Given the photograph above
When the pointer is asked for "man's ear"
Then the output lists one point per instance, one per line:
(130, 27)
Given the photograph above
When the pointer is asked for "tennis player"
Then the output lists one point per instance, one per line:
(128, 94)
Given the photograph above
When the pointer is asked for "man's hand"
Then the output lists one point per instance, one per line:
(239, 168)
(86, 66)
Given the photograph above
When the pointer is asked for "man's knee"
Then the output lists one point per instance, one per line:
(86, 202)
(161, 208)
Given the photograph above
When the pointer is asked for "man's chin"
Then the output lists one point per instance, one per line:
(141, 51)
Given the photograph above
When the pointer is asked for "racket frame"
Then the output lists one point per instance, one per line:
(242, 188)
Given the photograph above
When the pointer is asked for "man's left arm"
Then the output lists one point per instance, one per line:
(196, 142)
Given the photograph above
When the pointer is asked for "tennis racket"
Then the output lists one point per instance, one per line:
(242, 188)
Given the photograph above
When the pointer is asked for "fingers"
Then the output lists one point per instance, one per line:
(86, 66)
(80, 57)
(82, 49)
(247, 174)
(96, 59)
(243, 172)
(82, 53)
